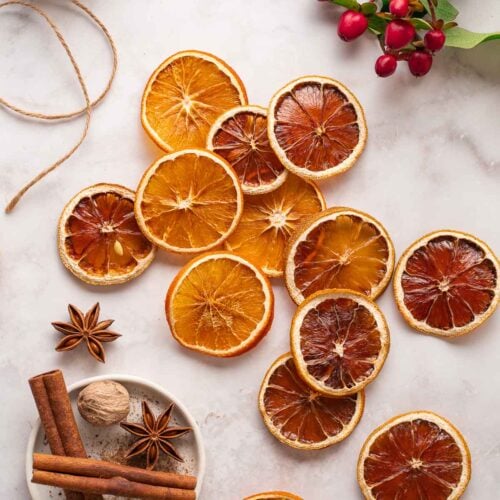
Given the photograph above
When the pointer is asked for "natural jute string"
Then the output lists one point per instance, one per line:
(87, 109)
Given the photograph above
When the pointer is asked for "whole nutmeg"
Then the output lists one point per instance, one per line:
(104, 403)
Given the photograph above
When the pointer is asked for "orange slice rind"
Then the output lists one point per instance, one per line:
(99, 239)
(339, 341)
(219, 304)
(274, 495)
(415, 452)
(189, 201)
(268, 220)
(317, 127)
(300, 417)
(447, 283)
(185, 95)
(240, 136)
(339, 248)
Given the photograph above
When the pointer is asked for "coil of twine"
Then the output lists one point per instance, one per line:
(89, 104)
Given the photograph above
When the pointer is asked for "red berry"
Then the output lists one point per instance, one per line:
(434, 40)
(399, 8)
(352, 24)
(420, 63)
(386, 65)
(398, 34)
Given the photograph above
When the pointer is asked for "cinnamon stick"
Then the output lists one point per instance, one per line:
(54, 407)
(113, 486)
(99, 468)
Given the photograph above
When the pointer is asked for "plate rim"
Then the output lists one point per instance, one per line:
(119, 377)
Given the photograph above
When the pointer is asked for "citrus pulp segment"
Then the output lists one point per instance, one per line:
(316, 127)
(339, 248)
(447, 283)
(185, 95)
(303, 418)
(219, 304)
(418, 455)
(339, 341)
(189, 201)
(99, 240)
(240, 136)
(268, 220)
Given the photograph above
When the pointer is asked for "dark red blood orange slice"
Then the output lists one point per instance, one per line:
(316, 127)
(339, 341)
(301, 417)
(416, 456)
(99, 240)
(240, 136)
(447, 283)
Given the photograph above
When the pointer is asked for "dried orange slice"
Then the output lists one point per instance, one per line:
(447, 283)
(339, 341)
(316, 127)
(189, 201)
(269, 219)
(339, 248)
(299, 416)
(240, 136)
(274, 495)
(99, 240)
(185, 95)
(418, 455)
(219, 304)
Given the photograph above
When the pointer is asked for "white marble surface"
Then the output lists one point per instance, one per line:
(432, 162)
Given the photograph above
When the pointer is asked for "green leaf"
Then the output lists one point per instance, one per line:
(465, 39)
(368, 8)
(377, 25)
(420, 24)
(348, 4)
(444, 10)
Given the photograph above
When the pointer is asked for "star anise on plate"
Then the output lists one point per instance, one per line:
(154, 436)
(85, 327)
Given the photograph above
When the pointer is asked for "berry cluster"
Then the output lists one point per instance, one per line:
(400, 39)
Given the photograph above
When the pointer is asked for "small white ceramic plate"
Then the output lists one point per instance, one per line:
(109, 443)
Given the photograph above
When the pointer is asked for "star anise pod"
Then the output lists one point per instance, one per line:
(154, 436)
(85, 327)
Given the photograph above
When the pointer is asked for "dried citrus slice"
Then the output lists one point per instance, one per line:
(339, 341)
(339, 248)
(301, 417)
(418, 455)
(274, 495)
(189, 201)
(240, 136)
(184, 97)
(316, 127)
(269, 219)
(219, 304)
(99, 240)
(447, 283)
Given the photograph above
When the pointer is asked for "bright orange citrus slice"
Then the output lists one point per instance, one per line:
(447, 283)
(184, 97)
(300, 417)
(339, 341)
(274, 495)
(240, 136)
(220, 304)
(419, 455)
(99, 240)
(189, 201)
(269, 219)
(339, 248)
(316, 127)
